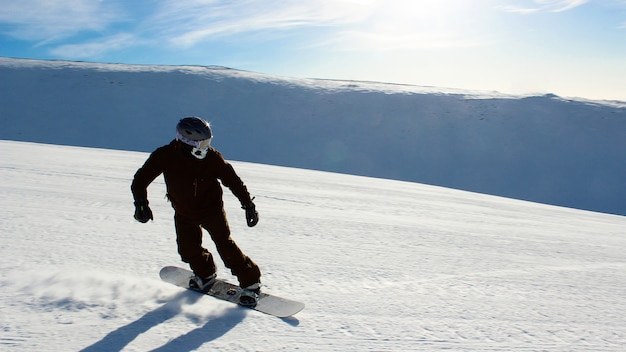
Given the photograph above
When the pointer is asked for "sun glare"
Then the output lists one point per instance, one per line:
(412, 11)
(398, 24)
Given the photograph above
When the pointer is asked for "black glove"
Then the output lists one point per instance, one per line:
(252, 217)
(142, 211)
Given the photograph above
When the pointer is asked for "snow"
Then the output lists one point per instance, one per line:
(542, 148)
(382, 265)
(386, 261)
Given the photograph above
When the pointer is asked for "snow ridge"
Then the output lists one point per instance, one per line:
(542, 148)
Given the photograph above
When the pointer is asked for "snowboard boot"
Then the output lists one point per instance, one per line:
(250, 295)
(201, 284)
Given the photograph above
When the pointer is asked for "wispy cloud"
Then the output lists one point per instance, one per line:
(533, 6)
(96, 27)
(96, 48)
(344, 24)
(50, 20)
(186, 23)
(353, 24)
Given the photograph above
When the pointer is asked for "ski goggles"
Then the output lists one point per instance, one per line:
(203, 144)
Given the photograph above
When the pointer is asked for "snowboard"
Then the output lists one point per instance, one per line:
(268, 303)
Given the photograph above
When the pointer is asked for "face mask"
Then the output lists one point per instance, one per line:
(199, 153)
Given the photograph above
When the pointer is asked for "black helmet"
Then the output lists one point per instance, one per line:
(193, 129)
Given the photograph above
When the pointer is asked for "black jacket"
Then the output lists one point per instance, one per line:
(192, 184)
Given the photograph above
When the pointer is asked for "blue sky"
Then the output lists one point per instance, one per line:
(572, 48)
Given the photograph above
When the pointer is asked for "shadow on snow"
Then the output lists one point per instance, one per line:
(211, 330)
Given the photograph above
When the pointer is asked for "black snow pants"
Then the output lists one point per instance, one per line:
(189, 240)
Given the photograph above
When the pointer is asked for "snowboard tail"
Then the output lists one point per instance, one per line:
(267, 303)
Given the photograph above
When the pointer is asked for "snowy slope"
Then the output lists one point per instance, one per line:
(394, 266)
(541, 148)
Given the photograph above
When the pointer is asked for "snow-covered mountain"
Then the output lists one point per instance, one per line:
(540, 148)
(382, 265)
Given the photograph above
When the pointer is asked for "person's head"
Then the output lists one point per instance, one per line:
(195, 133)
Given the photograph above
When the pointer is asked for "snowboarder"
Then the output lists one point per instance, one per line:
(192, 168)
